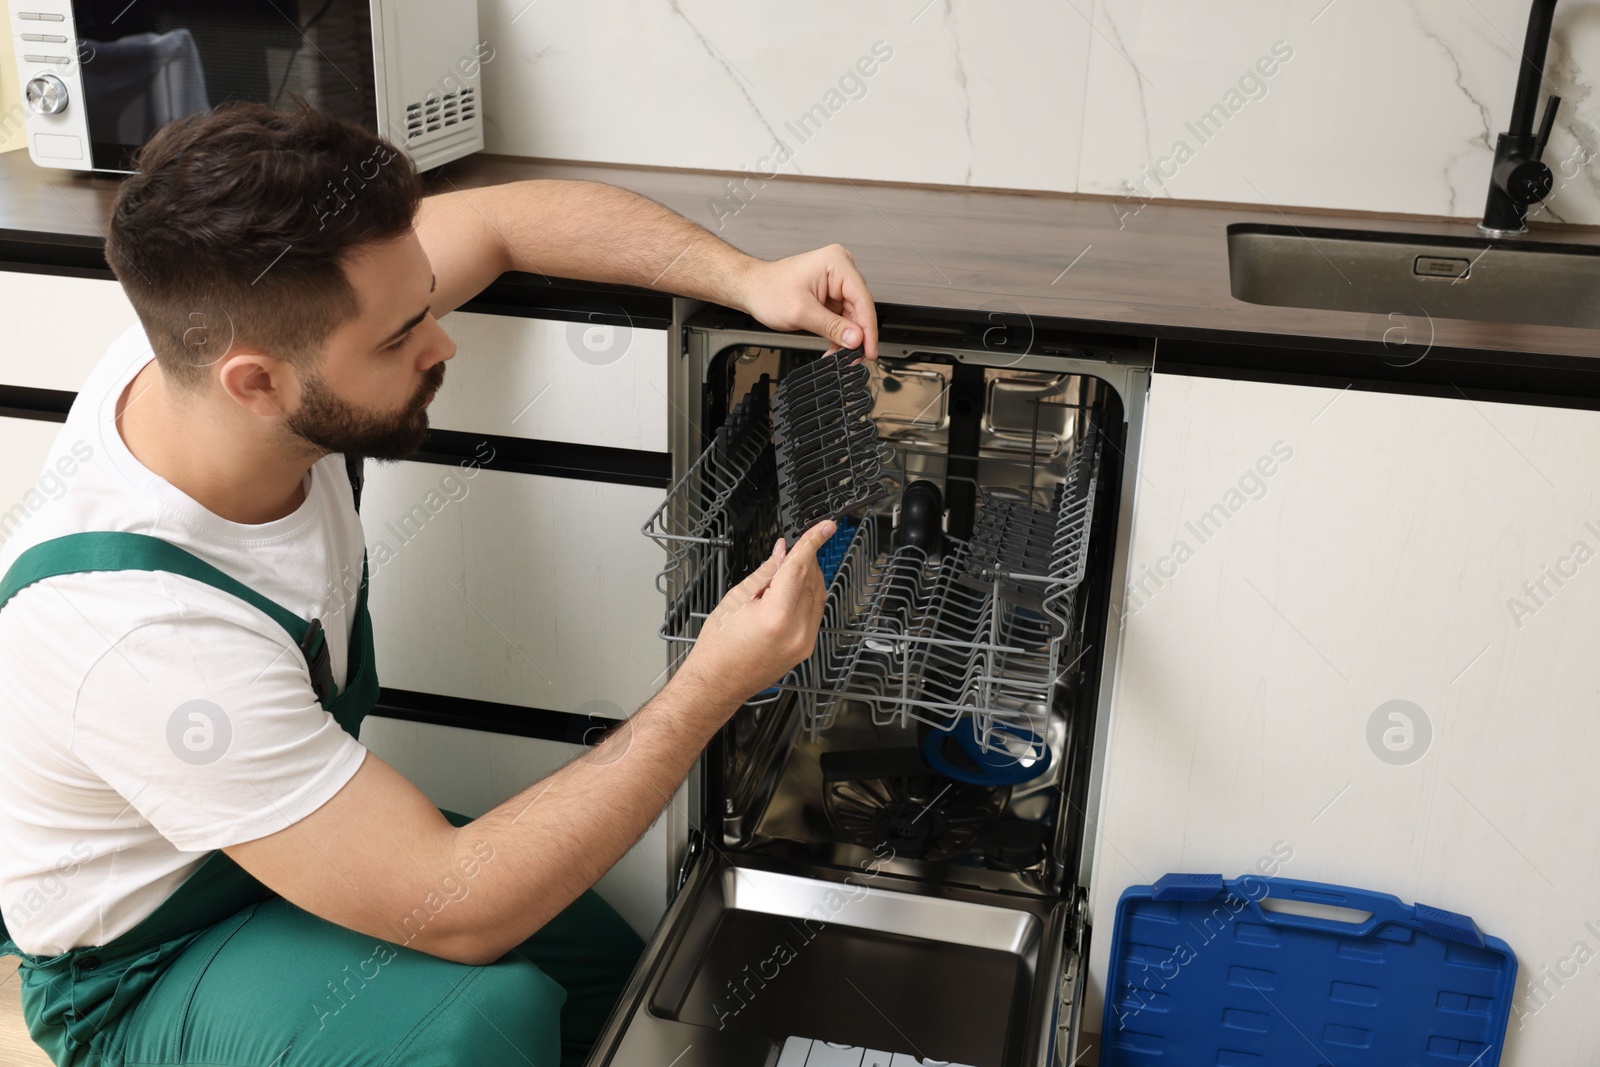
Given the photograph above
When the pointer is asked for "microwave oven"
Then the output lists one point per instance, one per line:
(99, 77)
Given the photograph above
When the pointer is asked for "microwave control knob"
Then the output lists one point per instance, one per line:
(47, 95)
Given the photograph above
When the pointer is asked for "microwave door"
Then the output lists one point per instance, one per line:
(139, 83)
(146, 64)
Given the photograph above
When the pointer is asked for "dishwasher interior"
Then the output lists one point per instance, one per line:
(890, 842)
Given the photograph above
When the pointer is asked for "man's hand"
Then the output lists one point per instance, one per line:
(598, 232)
(535, 853)
(764, 625)
(820, 291)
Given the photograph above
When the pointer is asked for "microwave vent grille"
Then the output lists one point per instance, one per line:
(436, 112)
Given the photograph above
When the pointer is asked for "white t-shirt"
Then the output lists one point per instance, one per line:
(147, 719)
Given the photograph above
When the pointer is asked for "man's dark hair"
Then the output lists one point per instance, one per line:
(234, 228)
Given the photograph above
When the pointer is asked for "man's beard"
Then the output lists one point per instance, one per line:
(329, 424)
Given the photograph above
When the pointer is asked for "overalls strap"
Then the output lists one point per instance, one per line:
(104, 551)
(218, 887)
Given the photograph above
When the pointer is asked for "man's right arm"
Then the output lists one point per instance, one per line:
(379, 858)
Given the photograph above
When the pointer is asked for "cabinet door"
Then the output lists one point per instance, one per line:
(471, 771)
(57, 328)
(583, 382)
(514, 588)
(24, 487)
(1359, 647)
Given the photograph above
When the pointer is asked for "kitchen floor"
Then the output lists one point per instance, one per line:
(16, 1047)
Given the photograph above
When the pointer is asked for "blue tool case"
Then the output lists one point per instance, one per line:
(1245, 972)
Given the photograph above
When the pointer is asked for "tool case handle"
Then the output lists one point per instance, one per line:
(1384, 907)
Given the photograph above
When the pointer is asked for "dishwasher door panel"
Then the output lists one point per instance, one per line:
(767, 952)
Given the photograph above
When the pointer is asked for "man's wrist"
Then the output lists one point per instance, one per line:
(708, 697)
(734, 273)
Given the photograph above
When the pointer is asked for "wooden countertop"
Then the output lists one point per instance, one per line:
(1162, 272)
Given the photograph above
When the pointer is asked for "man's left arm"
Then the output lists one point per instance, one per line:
(597, 232)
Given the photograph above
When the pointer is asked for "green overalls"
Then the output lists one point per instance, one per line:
(225, 972)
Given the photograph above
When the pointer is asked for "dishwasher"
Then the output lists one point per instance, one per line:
(888, 852)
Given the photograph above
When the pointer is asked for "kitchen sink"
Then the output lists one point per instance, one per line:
(1540, 283)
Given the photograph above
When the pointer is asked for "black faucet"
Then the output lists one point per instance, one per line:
(1519, 179)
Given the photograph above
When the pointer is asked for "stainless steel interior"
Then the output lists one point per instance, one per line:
(1415, 276)
(795, 823)
(1037, 429)
(800, 915)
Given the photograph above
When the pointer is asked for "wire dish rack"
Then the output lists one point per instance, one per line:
(719, 521)
(976, 629)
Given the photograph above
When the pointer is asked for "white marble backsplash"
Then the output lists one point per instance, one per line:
(1385, 105)
(1380, 105)
(966, 96)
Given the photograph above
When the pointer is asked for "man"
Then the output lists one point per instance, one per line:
(286, 898)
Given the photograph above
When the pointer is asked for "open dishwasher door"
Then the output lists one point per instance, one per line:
(891, 845)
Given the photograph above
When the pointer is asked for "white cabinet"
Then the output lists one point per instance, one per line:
(470, 772)
(55, 329)
(1361, 631)
(24, 487)
(514, 588)
(601, 383)
(587, 383)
